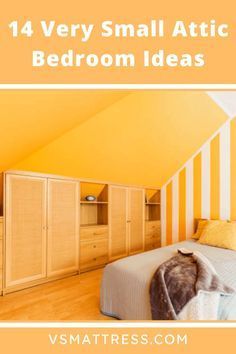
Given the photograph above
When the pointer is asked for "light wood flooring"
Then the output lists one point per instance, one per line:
(71, 299)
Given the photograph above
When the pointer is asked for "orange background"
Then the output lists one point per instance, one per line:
(200, 340)
(207, 340)
(15, 67)
(15, 57)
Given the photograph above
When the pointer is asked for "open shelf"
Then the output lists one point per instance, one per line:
(92, 202)
(149, 220)
(93, 213)
(92, 225)
(152, 196)
(152, 205)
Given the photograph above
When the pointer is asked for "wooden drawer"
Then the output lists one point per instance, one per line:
(1, 228)
(93, 232)
(152, 228)
(93, 254)
(1, 265)
(152, 243)
(152, 235)
(0, 254)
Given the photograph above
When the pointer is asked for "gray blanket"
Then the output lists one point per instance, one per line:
(179, 280)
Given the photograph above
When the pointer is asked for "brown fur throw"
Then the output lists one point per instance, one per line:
(177, 281)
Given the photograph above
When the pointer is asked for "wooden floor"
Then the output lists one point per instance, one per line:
(71, 299)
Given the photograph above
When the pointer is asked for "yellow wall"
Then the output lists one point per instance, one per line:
(197, 186)
(182, 205)
(215, 177)
(212, 180)
(31, 119)
(169, 212)
(141, 139)
(233, 169)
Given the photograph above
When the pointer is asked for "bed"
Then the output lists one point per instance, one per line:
(125, 283)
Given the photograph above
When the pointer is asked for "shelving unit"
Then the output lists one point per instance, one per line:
(152, 219)
(152, 204)
(93, 226)
(95, 212)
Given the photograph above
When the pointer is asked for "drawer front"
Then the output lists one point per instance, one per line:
(1, 229)
(152, 235)
(93, 254)
(152, 244)
(91, 233)
(1, 265)
(153, 229)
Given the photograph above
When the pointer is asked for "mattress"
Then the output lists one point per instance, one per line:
(125, 283)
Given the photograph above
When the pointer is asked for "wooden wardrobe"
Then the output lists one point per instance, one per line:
(126, 221)
(41, 228)
(51, 230)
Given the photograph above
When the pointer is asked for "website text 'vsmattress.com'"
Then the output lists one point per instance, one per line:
(115, 339)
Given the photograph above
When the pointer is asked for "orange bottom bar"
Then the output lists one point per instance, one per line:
(118, 340)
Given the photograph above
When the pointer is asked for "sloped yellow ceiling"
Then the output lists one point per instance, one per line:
(31, 119)
(141, 139)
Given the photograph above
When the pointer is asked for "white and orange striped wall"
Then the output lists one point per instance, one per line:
(205, 187)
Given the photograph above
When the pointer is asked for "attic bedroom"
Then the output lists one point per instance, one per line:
(104, 194)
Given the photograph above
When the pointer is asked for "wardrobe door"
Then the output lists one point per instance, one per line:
(25, 229)
(63, 214)
(118, 222)
(136, 220)
(1, 258)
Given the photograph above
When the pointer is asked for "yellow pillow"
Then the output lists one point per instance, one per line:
(219, 233)
(200, 227)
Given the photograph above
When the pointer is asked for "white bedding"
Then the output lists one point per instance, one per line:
(125, 283)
